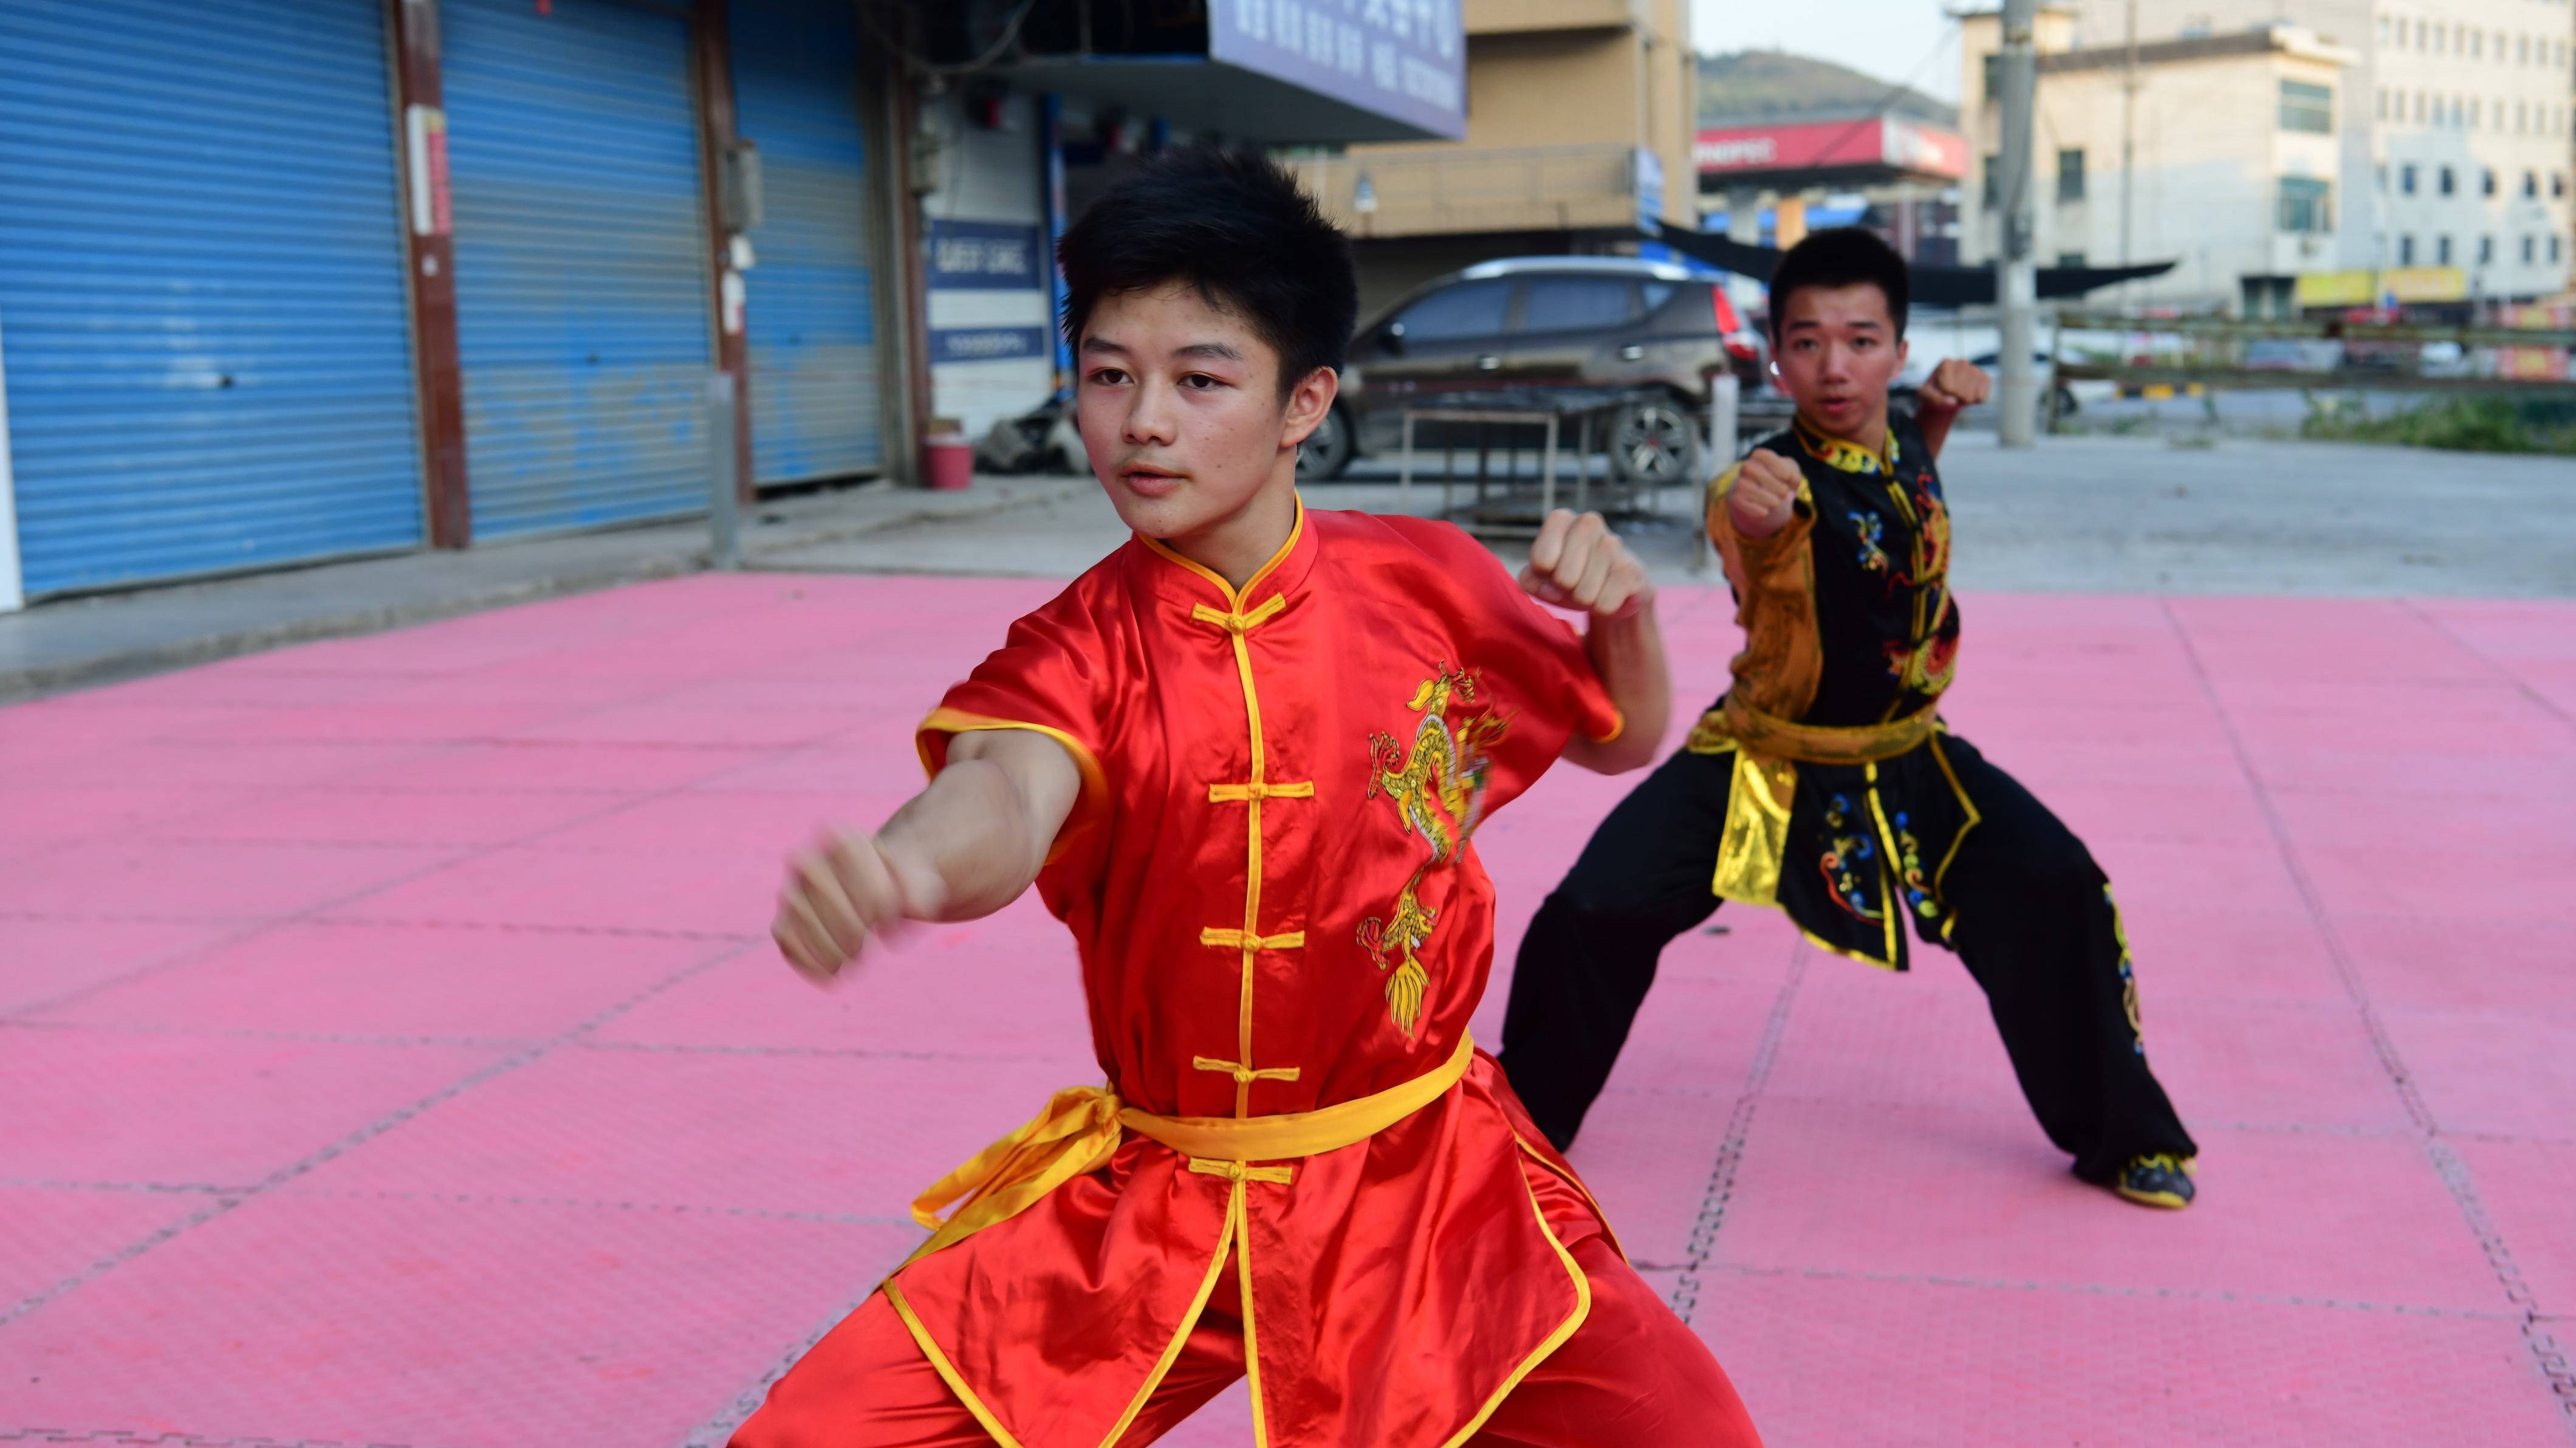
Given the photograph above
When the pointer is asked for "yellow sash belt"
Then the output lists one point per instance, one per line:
(1082, 1126)
(1826, 744)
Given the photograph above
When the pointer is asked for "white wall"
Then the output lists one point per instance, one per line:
(997, 176)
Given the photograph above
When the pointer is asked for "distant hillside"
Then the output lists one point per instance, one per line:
(1772, 85)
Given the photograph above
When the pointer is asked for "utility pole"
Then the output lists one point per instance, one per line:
(2128, 140)
(2016, 275)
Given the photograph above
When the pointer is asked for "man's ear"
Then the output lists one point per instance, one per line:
(1904, 349)
(1308, 402)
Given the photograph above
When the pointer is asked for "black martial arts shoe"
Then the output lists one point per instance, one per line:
(2157, 1181)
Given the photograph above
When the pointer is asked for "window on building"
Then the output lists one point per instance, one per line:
(1993, 66)
(2529, 246)
(1561, 304)
(2406, 178)
(2405, 251)
(2477, 45)
(2449, 182)
(2557, 184)
(2383, 178)
(2306, 106)
(1993, 187)
(2522, 50)
(2441, 39)
(2476, 107)
(2530, 184)
(2383, 103)
(2441, 251)
(2553, 246)
(2486, 250)
(2419, 35)
(2070, 175)
(2487, 182)
(2419, 108)
(2305, 205)
(2071, 259)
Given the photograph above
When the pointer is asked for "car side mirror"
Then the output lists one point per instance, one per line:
(1391, 341)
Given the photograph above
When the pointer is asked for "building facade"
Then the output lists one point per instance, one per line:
(291, 280)
(2483, 91)
(1578, 126)
(2233, 164)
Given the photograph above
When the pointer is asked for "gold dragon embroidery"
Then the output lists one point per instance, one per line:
(1438, 787)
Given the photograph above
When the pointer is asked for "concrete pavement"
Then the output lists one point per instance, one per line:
(72, 642)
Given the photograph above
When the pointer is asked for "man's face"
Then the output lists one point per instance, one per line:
(1837, 351)
(1181, 413)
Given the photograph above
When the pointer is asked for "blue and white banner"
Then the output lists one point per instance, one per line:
(990, 344)
(1401, 58)
(985, 256)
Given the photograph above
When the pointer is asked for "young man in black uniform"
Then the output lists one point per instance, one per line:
(1824, 781)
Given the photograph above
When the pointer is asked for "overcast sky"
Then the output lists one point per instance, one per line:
(1890, 39)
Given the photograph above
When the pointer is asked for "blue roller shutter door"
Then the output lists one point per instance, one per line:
(811, 318)
(201, 288)
(581, 267)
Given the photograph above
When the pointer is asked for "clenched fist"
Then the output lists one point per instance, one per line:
(840, 894)
(1765, 494)
(1580, 563)
(1953, 385)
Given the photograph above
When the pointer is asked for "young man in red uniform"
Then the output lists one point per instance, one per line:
(1241, 758)
(1825, 782)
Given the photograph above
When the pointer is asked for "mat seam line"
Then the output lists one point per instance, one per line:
(1730, 1150)
(2547, 1355)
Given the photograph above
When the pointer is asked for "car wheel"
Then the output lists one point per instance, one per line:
(1326, 450)
(2061, 403)
(1654, 441)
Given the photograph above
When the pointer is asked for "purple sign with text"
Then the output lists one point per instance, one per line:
(1400, 58)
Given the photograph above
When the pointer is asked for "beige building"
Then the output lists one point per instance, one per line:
(2233, 169)
(2480, 91)
(1579, 123)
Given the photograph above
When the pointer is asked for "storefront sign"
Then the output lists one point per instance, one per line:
(985, 256)
(1401, 58)
(989, 344)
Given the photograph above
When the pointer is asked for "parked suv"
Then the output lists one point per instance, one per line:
(1645, 334)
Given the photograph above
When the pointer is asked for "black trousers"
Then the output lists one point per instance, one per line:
(2035, 926)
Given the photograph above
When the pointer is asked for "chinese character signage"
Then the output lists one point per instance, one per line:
(984, 256)
(1401, 58)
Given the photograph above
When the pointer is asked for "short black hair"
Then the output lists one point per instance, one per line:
(1839, 256)
(1235, 225)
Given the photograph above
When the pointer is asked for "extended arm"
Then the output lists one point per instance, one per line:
(1580, 563)
(964, 847)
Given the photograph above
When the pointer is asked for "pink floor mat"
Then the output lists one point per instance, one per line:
(392, 1054)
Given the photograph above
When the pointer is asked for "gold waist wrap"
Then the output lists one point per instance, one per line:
(1768, 751)
(1082, 1126)
(1825, 744)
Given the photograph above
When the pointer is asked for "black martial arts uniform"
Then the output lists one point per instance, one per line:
(1824, 783)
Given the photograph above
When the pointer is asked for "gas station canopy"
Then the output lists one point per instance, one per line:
(1857, 151)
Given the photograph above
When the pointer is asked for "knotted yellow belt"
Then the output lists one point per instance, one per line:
(1082, 1126)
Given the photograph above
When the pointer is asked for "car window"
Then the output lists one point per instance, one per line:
(1470, 309)
(1657, 293)
(1565, 304)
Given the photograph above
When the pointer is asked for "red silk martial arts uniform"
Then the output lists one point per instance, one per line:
(1301, 1168)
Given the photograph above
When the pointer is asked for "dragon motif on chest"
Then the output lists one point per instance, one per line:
(1437, 782)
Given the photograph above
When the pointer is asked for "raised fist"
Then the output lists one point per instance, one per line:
(1765, 494)
(1580, 563)
(1953, 385)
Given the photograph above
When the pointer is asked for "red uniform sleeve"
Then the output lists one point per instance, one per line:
(1532, 661)
(1046, 677)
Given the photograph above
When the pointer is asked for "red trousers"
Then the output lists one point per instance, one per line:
(1632, 1375)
